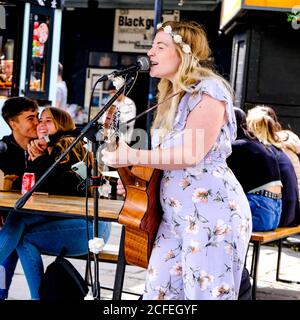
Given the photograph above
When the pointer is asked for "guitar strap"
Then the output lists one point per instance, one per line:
(157, 105)
(150, 109)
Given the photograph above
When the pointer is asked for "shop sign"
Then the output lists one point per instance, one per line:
(133, 31)
(282, 4)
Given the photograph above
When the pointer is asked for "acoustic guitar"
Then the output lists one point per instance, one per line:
(141, 213)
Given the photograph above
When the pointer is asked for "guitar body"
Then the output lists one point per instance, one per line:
(141, 213)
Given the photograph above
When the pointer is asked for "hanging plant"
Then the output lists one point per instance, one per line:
(294, 17)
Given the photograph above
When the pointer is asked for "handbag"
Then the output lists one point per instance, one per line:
(62, 281)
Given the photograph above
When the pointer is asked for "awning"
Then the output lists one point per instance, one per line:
(191, 5)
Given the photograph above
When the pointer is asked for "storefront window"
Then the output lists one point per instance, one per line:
(39, 51)
(6, 71)
(7, 42)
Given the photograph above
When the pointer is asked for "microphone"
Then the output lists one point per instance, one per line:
(3, 147)
(142, 63)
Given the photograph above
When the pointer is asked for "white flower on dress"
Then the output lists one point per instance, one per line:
(195, 172)
(152, 273)
(192, 226)
(175, 204)
(162, 295)
(204, 280)
(228, 249)
(233, 206)
(185, 278)
(221, 229)
(217, 173)
(243, 228)
(176, 269)
(194, 246)
(170, 255)
(200, 195)
(166, 181)
(221, 290)
(184, 183)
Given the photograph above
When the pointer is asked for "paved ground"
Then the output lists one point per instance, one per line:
(268, 288)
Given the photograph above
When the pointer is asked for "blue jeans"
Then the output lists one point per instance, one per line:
(32, 234)
(265, 212)
(10, 235)
(7, 271)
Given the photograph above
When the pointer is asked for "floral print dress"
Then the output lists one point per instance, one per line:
(201, 244)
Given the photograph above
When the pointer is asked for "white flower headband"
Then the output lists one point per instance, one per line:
(176, 37)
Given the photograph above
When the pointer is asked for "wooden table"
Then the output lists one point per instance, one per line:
(70, 207)
(66, 206)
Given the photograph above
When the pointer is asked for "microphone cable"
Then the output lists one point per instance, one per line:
(95, 287)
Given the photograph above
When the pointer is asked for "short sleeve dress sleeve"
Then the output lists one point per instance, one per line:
(217, 90)
(214, 88)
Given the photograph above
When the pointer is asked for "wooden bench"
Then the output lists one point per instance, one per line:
(259, 238)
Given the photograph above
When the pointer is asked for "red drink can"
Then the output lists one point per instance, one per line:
(28, 181)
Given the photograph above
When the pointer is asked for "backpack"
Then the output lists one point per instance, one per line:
(62, 281)
(245, 292)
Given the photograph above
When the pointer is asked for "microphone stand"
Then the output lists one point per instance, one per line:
(89, 131)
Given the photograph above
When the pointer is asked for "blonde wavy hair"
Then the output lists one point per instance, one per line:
(193, 68)
(63, 122)
(262, 122)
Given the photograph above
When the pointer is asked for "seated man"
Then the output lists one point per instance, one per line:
(21, 114)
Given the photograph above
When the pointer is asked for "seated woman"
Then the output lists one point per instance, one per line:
(265, 128)
(291, 146)
(290, 142)
(31, 234)
(257, 169)
(53, 124)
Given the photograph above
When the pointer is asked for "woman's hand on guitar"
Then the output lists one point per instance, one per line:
(123, 156)
(120, 188)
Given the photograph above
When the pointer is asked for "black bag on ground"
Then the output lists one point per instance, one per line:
(62, 281)
(245, 292)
